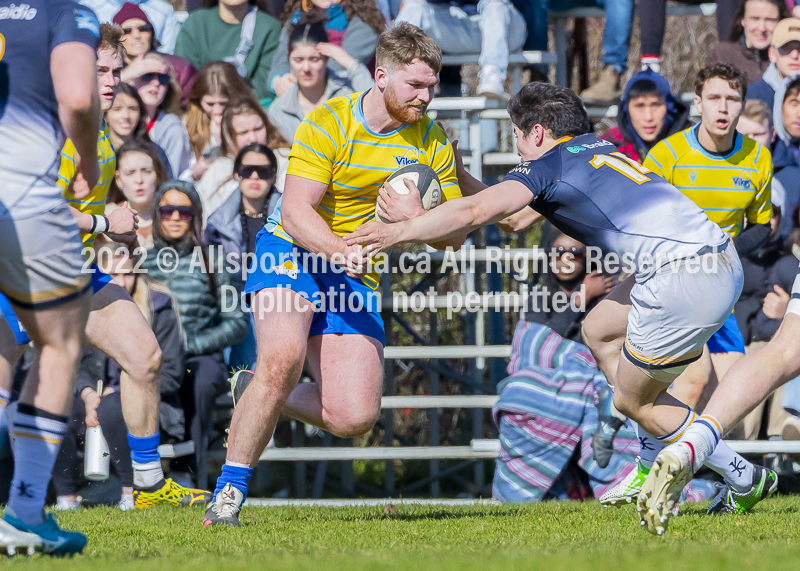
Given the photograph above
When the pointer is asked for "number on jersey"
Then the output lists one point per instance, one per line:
(623, 165)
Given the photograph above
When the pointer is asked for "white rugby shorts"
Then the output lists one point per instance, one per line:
(675, 311)
(41, 264)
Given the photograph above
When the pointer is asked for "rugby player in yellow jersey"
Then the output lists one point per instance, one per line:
(342, 154)
(115, 324)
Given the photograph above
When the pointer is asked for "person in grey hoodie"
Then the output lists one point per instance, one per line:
(309, 52)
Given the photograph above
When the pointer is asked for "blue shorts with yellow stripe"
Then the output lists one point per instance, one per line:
(342, 304)
(727, 339)
(99, 281)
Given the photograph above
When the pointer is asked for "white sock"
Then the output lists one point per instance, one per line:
(38, 435)
(737, 471)
(649, 446)
(703, 436)
(147, 475)
(676, 434)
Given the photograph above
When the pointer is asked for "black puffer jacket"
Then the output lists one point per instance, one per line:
(207, 328)
(95, 365)
(782, 274)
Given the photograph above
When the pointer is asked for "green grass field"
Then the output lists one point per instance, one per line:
(551, 536)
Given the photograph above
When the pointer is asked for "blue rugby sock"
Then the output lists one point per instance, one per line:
(146, 461)
(37, 435)
(235, 474)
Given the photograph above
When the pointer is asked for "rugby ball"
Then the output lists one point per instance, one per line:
(424, 177)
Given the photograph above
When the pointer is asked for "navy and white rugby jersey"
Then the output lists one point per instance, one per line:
(595, 194)
(31, 136)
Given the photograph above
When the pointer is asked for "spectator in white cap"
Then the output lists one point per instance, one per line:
(784, 53)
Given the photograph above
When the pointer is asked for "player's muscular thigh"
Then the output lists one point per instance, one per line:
(349, 370)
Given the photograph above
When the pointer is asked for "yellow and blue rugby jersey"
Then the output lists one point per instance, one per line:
(729, 188)
(333, 145)
(95, 203)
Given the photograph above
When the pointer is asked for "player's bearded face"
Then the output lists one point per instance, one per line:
(403, 111)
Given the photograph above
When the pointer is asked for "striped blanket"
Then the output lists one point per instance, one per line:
(546, 417)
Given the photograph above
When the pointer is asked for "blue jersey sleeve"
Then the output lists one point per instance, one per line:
(527, 174)
(72, 22)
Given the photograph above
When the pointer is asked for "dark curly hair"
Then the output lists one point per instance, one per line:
(555, 108)
(735, 77)
(364, 9)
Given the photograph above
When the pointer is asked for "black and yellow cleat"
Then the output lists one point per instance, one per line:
(170, 493)
(239, 382)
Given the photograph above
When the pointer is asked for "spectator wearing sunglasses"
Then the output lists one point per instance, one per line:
(139, 39)
(161, 95)
(159, 13)
(127, 119)
(236, 223)
(243, 122)
(567, 274)
(177, 224)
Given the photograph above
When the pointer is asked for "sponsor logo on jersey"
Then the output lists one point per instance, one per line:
(410, 157)
(17, 12)
(693, 176)
(575, 149)
(288, 268)
(741, 182)
(86, 20)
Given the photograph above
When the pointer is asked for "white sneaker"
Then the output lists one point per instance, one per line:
(126, 502)
(63, 503)
(627, 490)
(12, 539)
(491, 85)
(224, 510)
(661, 492)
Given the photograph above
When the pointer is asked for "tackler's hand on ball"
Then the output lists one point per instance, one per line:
(375, 237)
(396, 207)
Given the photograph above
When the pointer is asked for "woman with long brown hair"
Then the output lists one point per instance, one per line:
(139, 174)
(243, 122)
(216, 83)
(751, 36)
(352, 24)
(177, 225)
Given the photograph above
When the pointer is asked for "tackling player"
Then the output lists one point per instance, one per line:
(343, 153)
(660, 318)
(729, 176)
(47, 89)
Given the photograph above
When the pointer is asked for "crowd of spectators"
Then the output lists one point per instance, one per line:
(205, 116)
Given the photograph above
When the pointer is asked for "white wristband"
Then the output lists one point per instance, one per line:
(100, 224)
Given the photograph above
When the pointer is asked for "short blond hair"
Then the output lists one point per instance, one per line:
(111, 39)
(757, 110)
(402, 43)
